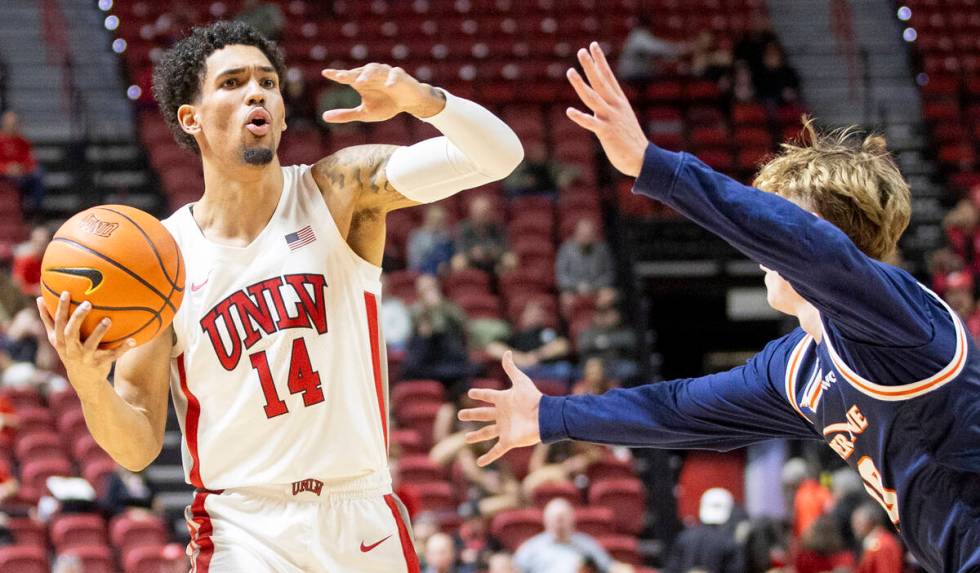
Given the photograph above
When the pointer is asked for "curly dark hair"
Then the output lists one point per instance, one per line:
(178, 75)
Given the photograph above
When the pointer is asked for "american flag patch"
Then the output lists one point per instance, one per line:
(300, 238)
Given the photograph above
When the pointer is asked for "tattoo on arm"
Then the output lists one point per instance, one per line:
(360, 171)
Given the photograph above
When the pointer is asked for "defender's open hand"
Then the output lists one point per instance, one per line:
(613, 121)
(385, 91)
(513, 414)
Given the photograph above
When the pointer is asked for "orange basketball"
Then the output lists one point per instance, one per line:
(125, 263)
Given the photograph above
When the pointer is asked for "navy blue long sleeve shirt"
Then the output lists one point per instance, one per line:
(893, 385)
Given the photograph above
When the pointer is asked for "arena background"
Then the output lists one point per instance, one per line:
(649, 297)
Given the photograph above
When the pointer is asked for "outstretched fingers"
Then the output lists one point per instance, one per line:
(487, 432)
(493, 455)
(485, 395)
(605, 70)
(477, 415)
(585, 93)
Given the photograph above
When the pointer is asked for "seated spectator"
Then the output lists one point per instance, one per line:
(881, 551)
(396, 320)
(424, 526)
(26, 269)
(299, 105)
(963, 234)
(501, 562)
(68, 495)
(822, 549)
(776, 82)
(959, 295)
(431, 245)
(480, 240)
(539, 349)
(848, 493)
(559, 549)
(644, 53)
(493, 488)
(710, 546)
(440, 556)
(26, 356)
(17, 163)
(437, 348)
(338, 96)
(941, 263)
(584, 264)
(712, 60)
(751, 47)
(563, 462)
(743, 86)
(266, 17)
(607, 338)
(594, 379)
(809, 499)
(473, 538)
(538, 174)
(124, 490)
(12, 300)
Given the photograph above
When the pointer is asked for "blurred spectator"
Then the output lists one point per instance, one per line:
(959, 294)
(431, 245)
(776, 82)
(594, 379)
(125, 489)
(12, 300)
(711, 59)
(963, 234)
(941, 263)
(559, 549)
(440, 556)
(480, 240)
(67, 495)
(743, 87)
(584, 264)
(493, 488)
(848, 493)
(266, 17)
(396, 320)
(751, 47)
(762, 545)
(68, 563)
(710, 546)
(424, 526)
(6, 536)
(299, 105)
(501, 563)
(26, 270)
(337, 96)
(538, 174)
(473, 538)
(810, 499)
(437, 348)
(17, 163)
(9, 486)
(538, 348)
(607, 338)
(643, 53)
(26, 356)
(881, 552)
(822, 549)
(565, 462)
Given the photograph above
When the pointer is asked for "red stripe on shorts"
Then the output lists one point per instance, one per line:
(408, 549)
(201, 534)
(371, 303)
(193, 417)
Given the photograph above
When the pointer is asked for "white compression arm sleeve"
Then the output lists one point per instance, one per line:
(477, 148)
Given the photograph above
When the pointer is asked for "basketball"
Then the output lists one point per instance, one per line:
(125, 263)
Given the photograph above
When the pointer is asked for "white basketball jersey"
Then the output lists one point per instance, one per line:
(279, 369)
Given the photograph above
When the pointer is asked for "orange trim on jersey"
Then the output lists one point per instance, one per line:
(795, 358)
(371, 303)
(408, 548)
(914, 389)
(815, 398)
(193, 417)
(201, 545)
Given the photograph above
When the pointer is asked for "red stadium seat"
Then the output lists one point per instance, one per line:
(477, 305)
(407, 441)
(609, 468)
(145, 559)
(27, 531)
(552, 490)
(594, 520)
(467, 280)
(134, 529)
(621, 548)
(402, 283)
(435, 495)
(85, 449)
(23, 398)
(60, 401)
(77, 529)
(626, 498)
(39, 445)
(34, 419)
(411, 390)
(515, 526)
(95, 471)
(35, 473)
(24, 559)
(95, 558)
(419, 469)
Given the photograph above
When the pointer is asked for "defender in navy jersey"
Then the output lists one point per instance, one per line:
(881, 368)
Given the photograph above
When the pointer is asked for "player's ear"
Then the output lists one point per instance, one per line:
(187, 117)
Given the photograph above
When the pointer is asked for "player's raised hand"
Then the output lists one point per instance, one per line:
(84, 361)
(385, 91)
(512, 414)
(612, 120)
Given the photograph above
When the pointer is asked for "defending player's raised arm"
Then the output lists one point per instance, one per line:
(864, 296)
(720, 411)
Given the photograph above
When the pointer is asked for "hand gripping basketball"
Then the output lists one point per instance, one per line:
(385, 92)
(613, 122)
(513, 414)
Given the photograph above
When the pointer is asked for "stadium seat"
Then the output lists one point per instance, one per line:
(95, 471)
(27, 531)
(24, 559)
(34, 419)
(610, 467)
(550, 490)
(435, 495)
(626, 498)
(60, 401)
(145, 559)
(39, 445)
(95, 558)
(132, 529)
(621, 548)
(479, 305)
(513, 527)
(467, 280)
(419, 469)
(594, 520)
(77, 529)
(34, 473)
(419, 416)
(23, 398)
(86, 449)
(409, 391)
(407, 441)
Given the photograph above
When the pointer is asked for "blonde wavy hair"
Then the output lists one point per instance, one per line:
(848, 180)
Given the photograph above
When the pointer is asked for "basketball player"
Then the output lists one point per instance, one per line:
(880, 368)
(275, 359)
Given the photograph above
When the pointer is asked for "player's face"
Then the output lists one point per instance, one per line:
(241, 112)
(780, 294)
